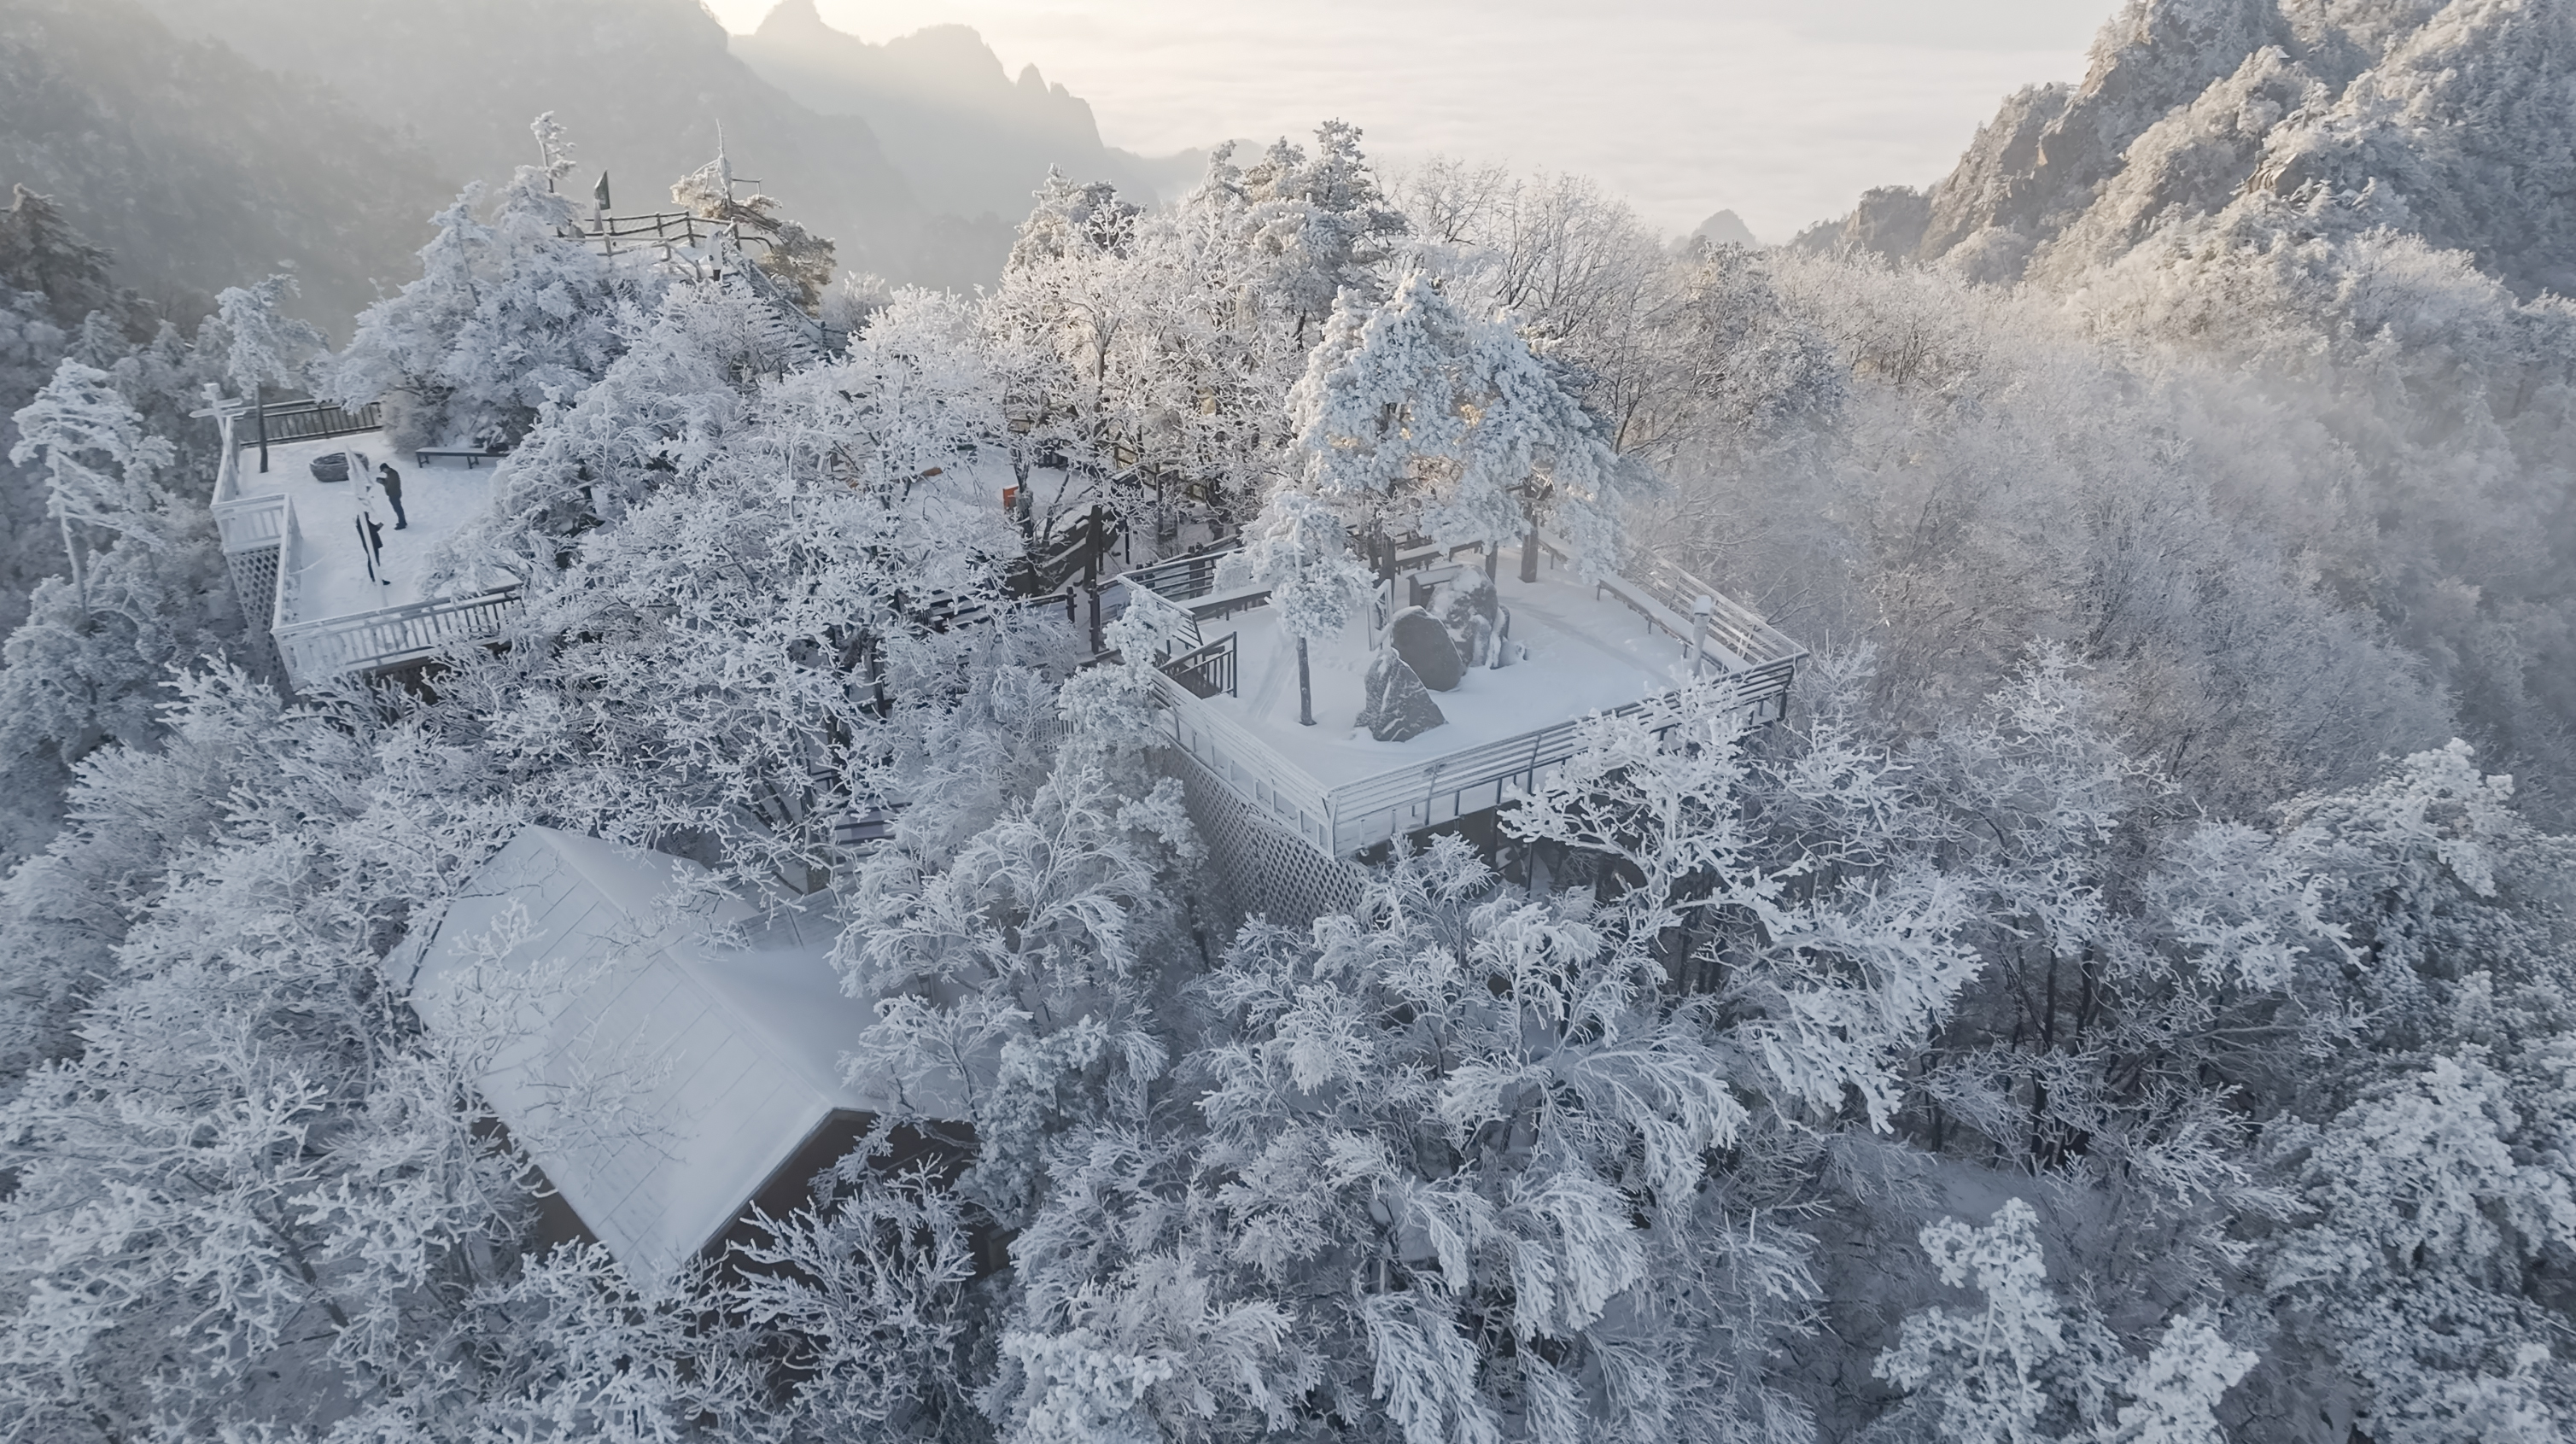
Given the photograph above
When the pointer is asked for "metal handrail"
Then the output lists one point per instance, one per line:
(1206, 669)
(1245, 762)
(1512, 756)
(1744, 630)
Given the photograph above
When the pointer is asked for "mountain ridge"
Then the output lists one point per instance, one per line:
(970, 138)
(2449, 121)
(647, 89)
(196, 168)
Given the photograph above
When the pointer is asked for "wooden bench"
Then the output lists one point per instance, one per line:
(472, 456)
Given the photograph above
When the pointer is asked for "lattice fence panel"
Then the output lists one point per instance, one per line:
(1259, 868)
(255, 582)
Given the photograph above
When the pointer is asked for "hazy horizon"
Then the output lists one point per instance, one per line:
(1683, 108)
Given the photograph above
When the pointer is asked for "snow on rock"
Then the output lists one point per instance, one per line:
(1426, 648)
(1399, 707)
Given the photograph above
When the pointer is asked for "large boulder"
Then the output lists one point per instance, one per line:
(1474, 617)
(1426, 647)
(1472, 595)
(1399, 707)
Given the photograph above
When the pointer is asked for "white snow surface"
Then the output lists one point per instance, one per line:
(1588, 652)
(330, 570)
(658, 1050)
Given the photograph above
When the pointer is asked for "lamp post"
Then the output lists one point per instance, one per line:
(1701, 610)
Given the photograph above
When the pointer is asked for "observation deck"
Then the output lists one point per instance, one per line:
(1231, 701)
(296, 551)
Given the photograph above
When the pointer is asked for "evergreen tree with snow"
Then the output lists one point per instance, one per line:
(511, 313)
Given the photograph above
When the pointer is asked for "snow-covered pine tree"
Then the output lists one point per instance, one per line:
(262, 346)
(1415, 417)
(1319, 223)
(797, 259)
(147, 588)
(508, 314)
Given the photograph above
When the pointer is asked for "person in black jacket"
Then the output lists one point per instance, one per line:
(391, 481)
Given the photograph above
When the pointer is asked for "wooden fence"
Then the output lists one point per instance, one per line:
(325, 647)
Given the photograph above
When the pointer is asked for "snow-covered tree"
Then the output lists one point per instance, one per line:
(1025, 953)
(794, 257)
(263, 347)
(246, 1192)
(98, 458)
(1320, 224)
(2020, 1371)
(147, 589)
(2434, 1196)
(1415, 417)
(509, 313)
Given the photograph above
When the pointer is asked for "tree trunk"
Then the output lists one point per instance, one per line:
(80, 574)
(1305, 689)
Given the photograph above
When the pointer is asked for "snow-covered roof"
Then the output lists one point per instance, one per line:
(659, 1051)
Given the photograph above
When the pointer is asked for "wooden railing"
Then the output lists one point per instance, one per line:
(247, 523)
(307, 420)
(366, 641)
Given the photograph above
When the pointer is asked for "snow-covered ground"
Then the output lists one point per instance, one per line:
(329, 566)
(1588, 652)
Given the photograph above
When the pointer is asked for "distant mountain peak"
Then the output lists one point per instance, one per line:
(972, 139)
(790, 16)
(1726, 228)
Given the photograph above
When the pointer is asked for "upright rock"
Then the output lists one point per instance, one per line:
(1427, 649)
(1474, 617)
(1399, 707)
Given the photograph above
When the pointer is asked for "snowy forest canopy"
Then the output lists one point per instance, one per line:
(2131, 997)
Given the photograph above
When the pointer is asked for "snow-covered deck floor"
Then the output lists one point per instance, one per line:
(1588, 653)
(329, 569)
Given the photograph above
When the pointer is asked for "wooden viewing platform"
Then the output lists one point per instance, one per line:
(291, 542)
(1607, 645)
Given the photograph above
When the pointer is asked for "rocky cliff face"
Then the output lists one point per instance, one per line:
(199, 169)
(646, 88)
(969, 138)
(2456, 121)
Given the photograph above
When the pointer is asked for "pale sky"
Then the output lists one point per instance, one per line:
(1782, 111)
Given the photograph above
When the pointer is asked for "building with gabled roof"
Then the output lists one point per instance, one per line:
(667, 1056)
